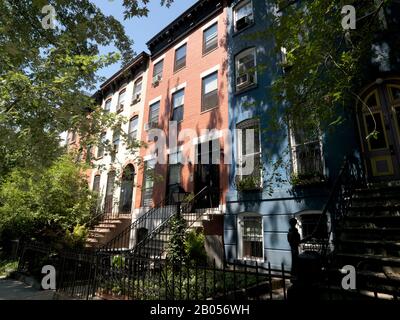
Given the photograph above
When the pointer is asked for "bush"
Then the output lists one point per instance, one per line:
(77, 237)
(194, 247)
(44, 204)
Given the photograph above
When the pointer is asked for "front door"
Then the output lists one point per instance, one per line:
(379, 125)
(207, 173)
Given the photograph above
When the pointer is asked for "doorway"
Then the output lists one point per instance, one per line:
(207, 173)
(379, 126)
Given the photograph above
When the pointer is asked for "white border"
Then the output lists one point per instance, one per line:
(180, 44)
(153, 101)
(158, 59)
(177, 88)
(209, 71)
(210, 23)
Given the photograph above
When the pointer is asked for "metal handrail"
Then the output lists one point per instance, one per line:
(161, 227)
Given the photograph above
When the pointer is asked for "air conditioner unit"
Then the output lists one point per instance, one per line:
(137, 97)
(244, 80)
(156, 79)
(243, 22)
(120, 107)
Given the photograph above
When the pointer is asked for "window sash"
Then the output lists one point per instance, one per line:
(180, 57)
(107, 106)
(210, 92)
(121, 97)
(133, 127)
(210, 38)
(96, 184)
(158, 68)
(154, 113)
(137, 89)
(244, 10)
(174, 174)
(252, 238)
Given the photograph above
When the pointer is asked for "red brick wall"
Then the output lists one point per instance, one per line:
(217, 118)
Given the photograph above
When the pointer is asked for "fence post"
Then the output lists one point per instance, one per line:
(257, 280)
(214, 287)
(270, 280)
(284, 281)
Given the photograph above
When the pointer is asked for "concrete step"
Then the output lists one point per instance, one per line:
(353, 258)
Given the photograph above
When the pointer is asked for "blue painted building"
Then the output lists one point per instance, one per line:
(258, 205)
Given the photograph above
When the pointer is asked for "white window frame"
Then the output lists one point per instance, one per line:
(136, 130)
(240, 225)
(240, 132)
(105, 104)
(237, 8)
(181, 105)
(244, 53)
(136, 96)
(294, 145)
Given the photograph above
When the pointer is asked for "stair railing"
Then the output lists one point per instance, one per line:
(350, 177)
(122, 242)
(148, 246)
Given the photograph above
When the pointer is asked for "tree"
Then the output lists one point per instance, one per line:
(325, 65)
(45, 204)
(45, 72)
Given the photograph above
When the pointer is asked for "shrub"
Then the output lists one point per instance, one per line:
(194, 247)
(43, 204)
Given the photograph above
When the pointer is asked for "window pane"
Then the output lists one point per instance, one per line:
(395, 92)
(211, 38)
(244, 11)
(380, 142)
(107, 106)
(252, 237)
(174, 174)
(246, 63)
(178, 98)
(122, 96)
(181, 52)
(210, 83)
(154, 109)
(137, 88)
(133, 126)
(158, 68)
(100, 149)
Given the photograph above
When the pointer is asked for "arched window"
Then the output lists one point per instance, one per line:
(126, 195)
(251, 237)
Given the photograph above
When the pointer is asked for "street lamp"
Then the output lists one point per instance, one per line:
(178, 198)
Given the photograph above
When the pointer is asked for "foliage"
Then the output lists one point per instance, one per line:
(45, 204)
(45, 74)
(118, 261)
(194, 247)
(325, 64)
(307, 179)
(7, 267)
(176, 248)
(248, 183)
(77, 237)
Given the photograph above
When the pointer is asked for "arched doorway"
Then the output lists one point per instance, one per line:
(127, 184)
(379, 119)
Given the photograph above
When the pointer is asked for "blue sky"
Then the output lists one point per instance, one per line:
(140, 30)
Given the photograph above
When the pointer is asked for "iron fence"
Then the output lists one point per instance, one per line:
(90, 275)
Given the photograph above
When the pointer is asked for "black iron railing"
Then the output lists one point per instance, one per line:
(156, 242)
(350, 177)
(88, 275)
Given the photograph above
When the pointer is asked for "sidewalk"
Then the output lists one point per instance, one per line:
(16, 290)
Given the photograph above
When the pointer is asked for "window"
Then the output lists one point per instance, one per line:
(175, 160)
(137, 90)
(153, 115)
(100, 148)
(251, 237)
(121, 100)
(246, 74)
(180, 58)
(243, 15)
(209, 98)
(306, 148)
(133, 127)
(96, 183)
(116, 140)
(177, 105)
(108, 201)
(107, 106)
(210, 38)
(147, 194)
(249, 155)
(313, 222)
(158, 72)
